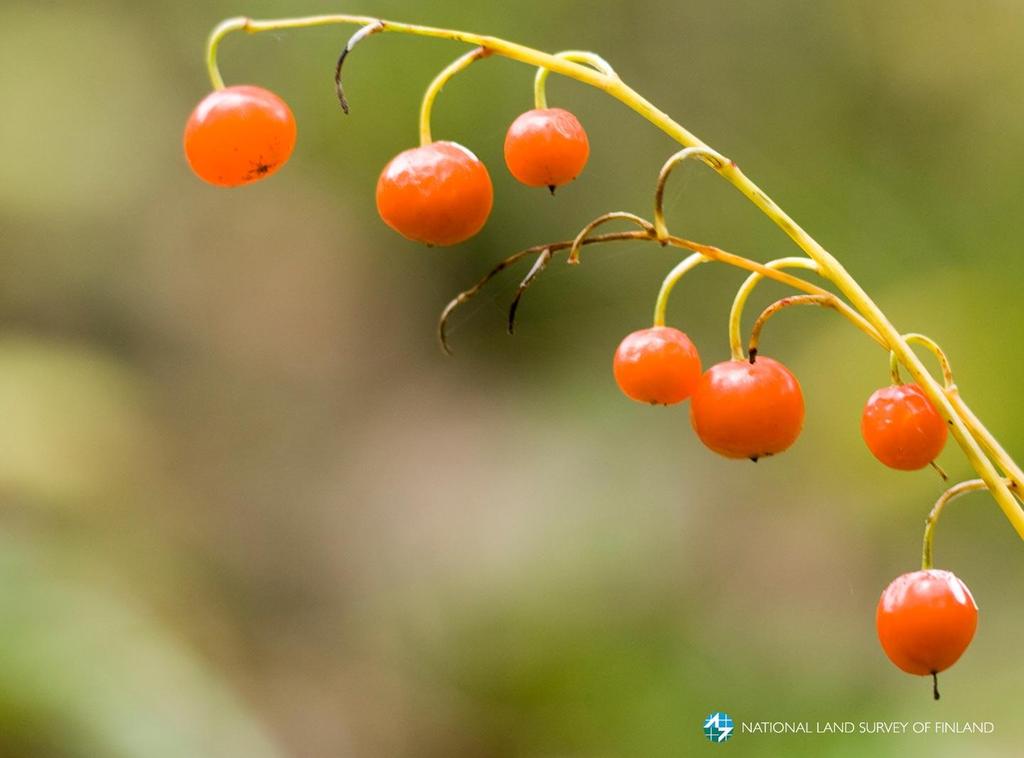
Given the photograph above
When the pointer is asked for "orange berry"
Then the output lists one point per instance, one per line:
(747, 410)
(926, 620)
(440, 194)
(546, 147)
(901, 427)
(239, 135)
(659, 365)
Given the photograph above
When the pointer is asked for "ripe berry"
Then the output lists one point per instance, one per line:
(439, 194)
(238, 135)
(546, 147)
(902, 428)
(747, 410)
(925, 621)
(658, 365)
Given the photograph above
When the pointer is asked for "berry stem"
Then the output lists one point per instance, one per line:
(681, 269)
(933, 347)
(957, 490)
(705, 154)
(970, 437)
(540, 97)
(826, 301)
(894, 369)
(760, 270)
(574, 251)
(743, 294)
(434, 88)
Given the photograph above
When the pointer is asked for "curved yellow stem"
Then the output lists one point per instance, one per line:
(743, 294)
(957, 490)
(705, 154)
(596, 62)
(706, 253)
(932, 346)
(894, 369)
(829, 267)
(827, 300)
(434, 88)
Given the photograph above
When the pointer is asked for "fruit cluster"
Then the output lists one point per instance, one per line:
(754, 408)
(439, 193)
(750, 406)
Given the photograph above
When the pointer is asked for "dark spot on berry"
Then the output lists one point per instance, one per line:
(260, 168)
(754, 458)
(551, 189)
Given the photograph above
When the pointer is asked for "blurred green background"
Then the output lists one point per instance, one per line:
(247, 508)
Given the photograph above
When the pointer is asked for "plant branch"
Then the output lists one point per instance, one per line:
(828, 266)
(468, 294)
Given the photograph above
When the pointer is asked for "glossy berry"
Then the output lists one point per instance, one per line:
(658, 365)
(439, 194)
(902, 428)
(747, 410)
(926, 620)
(239, 135)
(546, 147)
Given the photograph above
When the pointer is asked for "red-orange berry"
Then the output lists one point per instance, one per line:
(239, 135)
(440, 194)
(901, 427)
(546, 147)
(658, 365)
(747, 410)
(926, 620)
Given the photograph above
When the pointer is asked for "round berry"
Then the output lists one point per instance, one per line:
(902, 428)
(747, 410)
(239, 135)
(439, 194)
(658, 365)
(546, 147)
(926, 620)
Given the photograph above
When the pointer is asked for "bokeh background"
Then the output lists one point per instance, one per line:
(247, 508)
